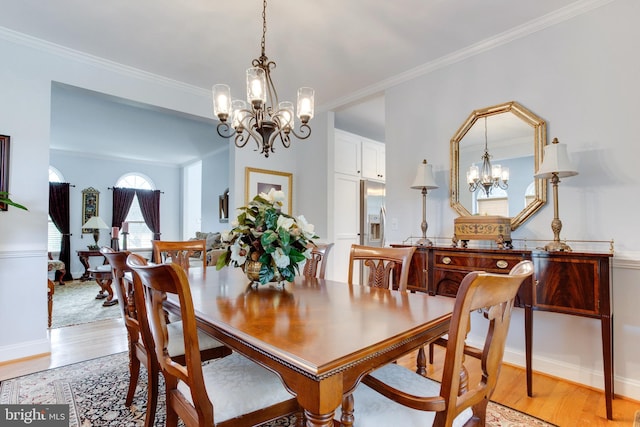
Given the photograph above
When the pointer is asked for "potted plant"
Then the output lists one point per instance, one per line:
(269, 244)
(4, 198)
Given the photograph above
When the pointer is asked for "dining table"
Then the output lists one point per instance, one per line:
(321, 337)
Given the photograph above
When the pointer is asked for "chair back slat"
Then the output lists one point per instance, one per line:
(316, 266)
(180, 252)
(385, 267)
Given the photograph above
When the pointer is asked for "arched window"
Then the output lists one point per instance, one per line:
(54, 237)
(140, 235)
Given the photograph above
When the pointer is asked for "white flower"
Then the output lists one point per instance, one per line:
(307, 229)
(285, 222)
(238, 253)
(226, 235)
(275, 197)
(281, 259)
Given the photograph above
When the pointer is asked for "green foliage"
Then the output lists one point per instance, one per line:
(4, 198)
(264, 233)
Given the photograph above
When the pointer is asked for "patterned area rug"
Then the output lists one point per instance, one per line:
(75, 303)
(95, 392)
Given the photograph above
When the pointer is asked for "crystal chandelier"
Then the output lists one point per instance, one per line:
(490, 176)
(265, 119)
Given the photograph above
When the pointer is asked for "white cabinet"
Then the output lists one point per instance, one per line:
(359, 156)
(373, 158)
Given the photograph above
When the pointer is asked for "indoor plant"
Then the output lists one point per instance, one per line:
(267, 241)
(4, 198)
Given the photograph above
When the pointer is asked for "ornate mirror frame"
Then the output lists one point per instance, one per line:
(539, 128)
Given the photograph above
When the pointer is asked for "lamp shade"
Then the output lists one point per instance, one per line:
(424, 177)
(95, 222)
(555, 161)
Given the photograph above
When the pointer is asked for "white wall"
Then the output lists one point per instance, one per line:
(25, 115)
(581, 77)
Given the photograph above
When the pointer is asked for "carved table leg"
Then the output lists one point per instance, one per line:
(84, 260)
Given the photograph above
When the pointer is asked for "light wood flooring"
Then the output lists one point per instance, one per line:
(563, 403)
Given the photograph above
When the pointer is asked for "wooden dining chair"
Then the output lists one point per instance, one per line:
(383, 265)
(316, 266)
(180, 252)
(394, 395)
(139, 352)
(232, 391)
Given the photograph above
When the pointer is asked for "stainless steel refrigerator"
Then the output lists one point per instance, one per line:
(372, 213)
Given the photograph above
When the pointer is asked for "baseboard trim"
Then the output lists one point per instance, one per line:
(24, 350)
(624, 387)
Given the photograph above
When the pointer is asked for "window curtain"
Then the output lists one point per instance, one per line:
(59, 213)
(150, 207)
(122, 200)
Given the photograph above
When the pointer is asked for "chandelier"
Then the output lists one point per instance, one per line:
(264, 119)
(489, 176)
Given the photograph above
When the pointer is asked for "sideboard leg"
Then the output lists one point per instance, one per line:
(607, 353)
(528, 344)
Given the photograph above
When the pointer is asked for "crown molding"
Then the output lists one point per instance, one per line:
(561, 15)
(96, 61)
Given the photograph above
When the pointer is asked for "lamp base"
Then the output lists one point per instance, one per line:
(424, 242)
(557, 246)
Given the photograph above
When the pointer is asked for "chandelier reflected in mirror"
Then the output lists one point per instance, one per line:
(488, 176)
(262, 118)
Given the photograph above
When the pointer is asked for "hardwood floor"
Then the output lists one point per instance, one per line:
(560, 402)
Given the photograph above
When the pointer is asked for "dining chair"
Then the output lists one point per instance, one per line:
(519, 268)
(180, 252)
(232, 391)
(395, 395)
(316, 266)
(387, 267)
(139, 351)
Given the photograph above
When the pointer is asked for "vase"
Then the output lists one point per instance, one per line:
(252, 270)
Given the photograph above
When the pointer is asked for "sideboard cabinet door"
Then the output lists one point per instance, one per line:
(572, 283)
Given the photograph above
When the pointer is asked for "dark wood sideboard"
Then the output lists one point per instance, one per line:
(575, 283)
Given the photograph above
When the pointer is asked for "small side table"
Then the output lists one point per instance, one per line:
(102, 276)
(84, 256)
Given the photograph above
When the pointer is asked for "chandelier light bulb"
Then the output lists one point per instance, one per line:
(221, 101)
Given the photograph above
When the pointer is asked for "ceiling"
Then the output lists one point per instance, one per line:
(346, 50)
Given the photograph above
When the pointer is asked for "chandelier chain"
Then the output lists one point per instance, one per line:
(264, 26)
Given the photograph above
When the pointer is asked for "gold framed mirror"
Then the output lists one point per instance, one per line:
(514, 137)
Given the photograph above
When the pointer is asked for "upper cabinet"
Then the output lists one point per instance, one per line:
(373, 160)
(359, 156)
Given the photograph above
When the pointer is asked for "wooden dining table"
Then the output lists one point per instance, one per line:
(320, 336)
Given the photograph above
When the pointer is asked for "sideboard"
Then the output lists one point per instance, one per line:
(574, 283)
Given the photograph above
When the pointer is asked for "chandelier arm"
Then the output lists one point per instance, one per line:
(305, 131)
(284, 138)
(224, 130)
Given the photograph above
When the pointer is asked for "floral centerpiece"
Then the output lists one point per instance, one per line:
(267, 240)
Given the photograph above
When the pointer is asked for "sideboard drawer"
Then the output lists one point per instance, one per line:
(494, 263)
(450, 266)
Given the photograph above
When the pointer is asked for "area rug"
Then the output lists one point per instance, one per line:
(75, 303)
(95, 391)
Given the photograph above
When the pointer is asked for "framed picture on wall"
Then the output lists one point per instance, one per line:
(90, 202)
(261, 181)
(4, 168)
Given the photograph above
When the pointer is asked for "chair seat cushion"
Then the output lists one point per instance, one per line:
(237, 386)
(176, 340)
(371, 409)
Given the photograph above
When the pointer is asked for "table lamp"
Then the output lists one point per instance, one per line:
(424, 181)
(555, 165)
(95, 223)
